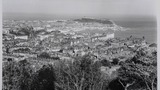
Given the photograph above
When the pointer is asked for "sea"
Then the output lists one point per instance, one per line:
(138, 28)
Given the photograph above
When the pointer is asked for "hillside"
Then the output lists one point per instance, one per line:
(89, 20)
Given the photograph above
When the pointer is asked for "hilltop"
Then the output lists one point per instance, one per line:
(89, 20)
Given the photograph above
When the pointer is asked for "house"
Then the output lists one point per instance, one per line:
(78, 36)
(21, 37)
(106, 37)
(38, 28)
(69, 51)
(8, 37)
(6, 31)
(55, 48)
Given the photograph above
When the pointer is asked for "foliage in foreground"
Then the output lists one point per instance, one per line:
(82, 74)
(140, 72)
(17, 76)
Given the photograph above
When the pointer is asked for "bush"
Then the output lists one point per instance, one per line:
(139, 72)
(115, 61)
(105, 62)
(17, 76)
(44, 79)
(82, 74)
(44, 55)
(20, 76)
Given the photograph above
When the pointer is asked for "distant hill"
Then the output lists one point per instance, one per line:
(153, 45)
(89, 20)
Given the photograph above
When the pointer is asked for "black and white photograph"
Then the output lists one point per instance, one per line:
(79, 45)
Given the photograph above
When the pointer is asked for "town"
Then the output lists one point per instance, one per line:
(48, 42)
(63, 39)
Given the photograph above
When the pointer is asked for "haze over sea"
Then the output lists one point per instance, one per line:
(139, 27)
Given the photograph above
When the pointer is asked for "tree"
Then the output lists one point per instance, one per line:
(115, 61)
(17, 75)
(44, 79)
(44, 55)
(139, 70)
(82, 74)
(105, 62)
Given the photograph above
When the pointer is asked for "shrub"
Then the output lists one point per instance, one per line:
(20, 76)
(138, 71)
(17, 75)
(115, 61)
(105, 62)
(82, 74)
(44, 79)
(44, 55)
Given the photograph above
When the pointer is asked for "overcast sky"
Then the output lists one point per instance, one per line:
(81, 7)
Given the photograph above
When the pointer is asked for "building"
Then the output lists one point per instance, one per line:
(106, 37)
(21, 37)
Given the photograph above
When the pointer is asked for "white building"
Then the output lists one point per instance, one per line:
(5, 31)
(38, 28)
(21, 37)
(108, 36)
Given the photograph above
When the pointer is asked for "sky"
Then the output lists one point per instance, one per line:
(81, 7)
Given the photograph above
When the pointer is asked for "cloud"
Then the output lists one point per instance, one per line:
(81, 7)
